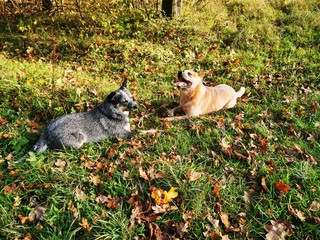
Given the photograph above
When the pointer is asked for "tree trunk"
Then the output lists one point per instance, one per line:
(172, 8)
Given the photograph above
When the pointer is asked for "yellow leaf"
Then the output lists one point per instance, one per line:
(168, 196)
(162, 197)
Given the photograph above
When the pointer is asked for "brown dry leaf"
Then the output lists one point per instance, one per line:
(226, 148)
(13, 173)
(90, 164)
(85, 225)
(37, 213)
(60, 164)
(282, 187)
(28, 236)
(216, 189)
(73, 209)
(112, 152)
(143, 174)
(80, 195)
(163, 208)
(193, 176)
(296, 213)
(316, 219)
(34, 125)
(315, 206)
(101, 199)
(155, 232)
(264, 185)
(13, 189)
(17, 201)
(225, 237)
(3, 121)
(113, 202)
(10, 155)
(94, 179)
(211, 234)
(225, 220)
(278, 230)
(150, 173)
(236, 61)
(23, 219)
(263, 144)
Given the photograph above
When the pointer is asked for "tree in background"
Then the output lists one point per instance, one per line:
(172, 8)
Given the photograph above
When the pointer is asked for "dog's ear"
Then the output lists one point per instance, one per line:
(111, 96)
(124, 84)
(201, 74)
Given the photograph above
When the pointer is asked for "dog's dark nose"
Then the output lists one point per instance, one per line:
(134, 107)
(179, 74)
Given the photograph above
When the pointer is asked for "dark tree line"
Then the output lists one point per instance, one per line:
(171, 8)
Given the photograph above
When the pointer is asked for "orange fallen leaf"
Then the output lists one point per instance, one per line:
(282, 187)
(23, 219)
(216, 189)
(85, 225)
(34, 125)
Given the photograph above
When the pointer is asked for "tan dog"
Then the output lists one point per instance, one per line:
(197, 99)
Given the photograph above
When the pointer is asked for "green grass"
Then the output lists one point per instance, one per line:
(54, 66)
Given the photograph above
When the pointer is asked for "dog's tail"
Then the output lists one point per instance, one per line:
(240, 92)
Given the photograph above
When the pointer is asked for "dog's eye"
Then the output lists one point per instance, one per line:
(190, 74)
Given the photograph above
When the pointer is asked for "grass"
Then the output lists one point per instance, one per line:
(224, 165)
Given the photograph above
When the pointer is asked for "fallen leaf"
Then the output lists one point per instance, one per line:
(216, 189)
(264, 185)
(263, 144)
(226, 148)
(80, 195)
(28, 236)
(73, 209)
(113, 202)
(34, 125)
(155, 232)
(278, 230)
(296, 213)
(37, 213)
(60, 164)
(225, 220)
(161, 197)
(169, 196)
(236, 61)
(17, 201)
(315, 206)
(85, 225)
(94, 179)
(282, 187)
(193, 175)
(101, 199)
(23, 219)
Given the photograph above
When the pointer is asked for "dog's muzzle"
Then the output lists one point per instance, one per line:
(132, 107)
(183, 83)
